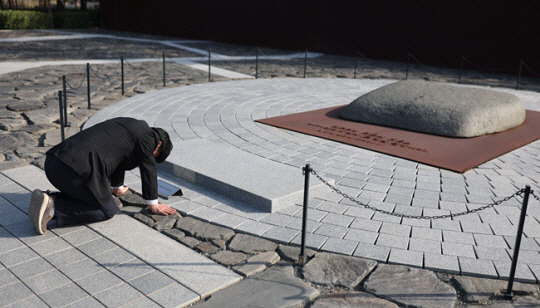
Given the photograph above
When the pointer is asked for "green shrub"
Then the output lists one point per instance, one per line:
(15, 19)
(75, 19)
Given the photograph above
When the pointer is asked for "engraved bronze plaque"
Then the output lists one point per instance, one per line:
(456, 154)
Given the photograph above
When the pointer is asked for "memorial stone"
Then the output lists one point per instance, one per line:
(437, 108)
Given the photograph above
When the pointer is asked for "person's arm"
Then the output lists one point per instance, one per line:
(117, 182)
(147, 167)
(149, 177)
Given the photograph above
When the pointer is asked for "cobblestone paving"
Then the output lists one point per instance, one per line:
(87, 48)
(479, 244)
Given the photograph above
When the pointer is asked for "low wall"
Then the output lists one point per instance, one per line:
(496, 35)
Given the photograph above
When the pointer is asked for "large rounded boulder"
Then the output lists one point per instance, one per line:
(438, 108)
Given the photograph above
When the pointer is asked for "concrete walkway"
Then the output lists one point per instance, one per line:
(120, 262)
(476, 244)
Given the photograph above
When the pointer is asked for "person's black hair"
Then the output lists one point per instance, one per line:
(166, 144)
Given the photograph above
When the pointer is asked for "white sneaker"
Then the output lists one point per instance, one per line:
(39, 211)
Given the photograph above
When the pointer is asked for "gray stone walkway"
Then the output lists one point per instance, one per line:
(120, 262)
(476, 244)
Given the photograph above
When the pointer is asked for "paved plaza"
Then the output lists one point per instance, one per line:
(123, 263)
(479, 243)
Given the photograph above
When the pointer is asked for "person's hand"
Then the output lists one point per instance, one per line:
(161, 209)
(119, 192)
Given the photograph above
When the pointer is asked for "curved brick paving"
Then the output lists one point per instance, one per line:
(478, 244)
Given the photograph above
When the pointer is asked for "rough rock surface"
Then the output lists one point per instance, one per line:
(165, 224)
(228, 258)
(331, 269)
(25, 105)
(12, 124)
(481, 290)
(203, 230)
(257, 263)
(519, 302)
(352, 299)
(410, 287)
(291, 253)
(175, 234)
(438, 108)
(15, 140)
(189, 241)
(207, 248)
(251, 244)
(275, 287)
(145, 219)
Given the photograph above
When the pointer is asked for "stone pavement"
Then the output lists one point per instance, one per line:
(116, 263)
(479, 244)
(476, 244)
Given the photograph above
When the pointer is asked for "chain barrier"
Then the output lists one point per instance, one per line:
(97, 75)
(488, 69)
(299, 55)
(335, 189)
(535, 196)
(450, 63)
(133, 66)
(530, 69)
(415, 59)
(80, 84)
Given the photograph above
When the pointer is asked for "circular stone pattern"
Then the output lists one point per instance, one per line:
(438, 108)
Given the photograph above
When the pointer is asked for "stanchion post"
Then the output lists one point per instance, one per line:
(61, 109)
(408, 64)
(88, 84)
(164, 69)
(209, 65)
(305, 62)
(355, 63)
(508, 294)
(302, 257)
(461, 68)
(64, 99)
(519, 74)
(122, 72)
(256, 63)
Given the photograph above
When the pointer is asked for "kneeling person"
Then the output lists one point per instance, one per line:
(87, 167)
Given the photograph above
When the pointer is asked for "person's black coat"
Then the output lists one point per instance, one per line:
(102, 153)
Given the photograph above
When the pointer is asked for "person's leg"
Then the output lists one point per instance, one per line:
(75, 203)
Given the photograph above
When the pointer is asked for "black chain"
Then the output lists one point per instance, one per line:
(80, 84)
(535, 196)
(97, 75)
(530, 69)
(517, 193)
(132, 66)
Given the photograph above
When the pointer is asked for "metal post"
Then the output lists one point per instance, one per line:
(355, 64)
(508, 294)
(461, 68)
(519, 74)
(302, 257)
(408, 64)
(88, 84)
(209, 65)
(256, 63)
(164, 69)
(305, 62)
(60, 103)
(122, 69)
(64, 99)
